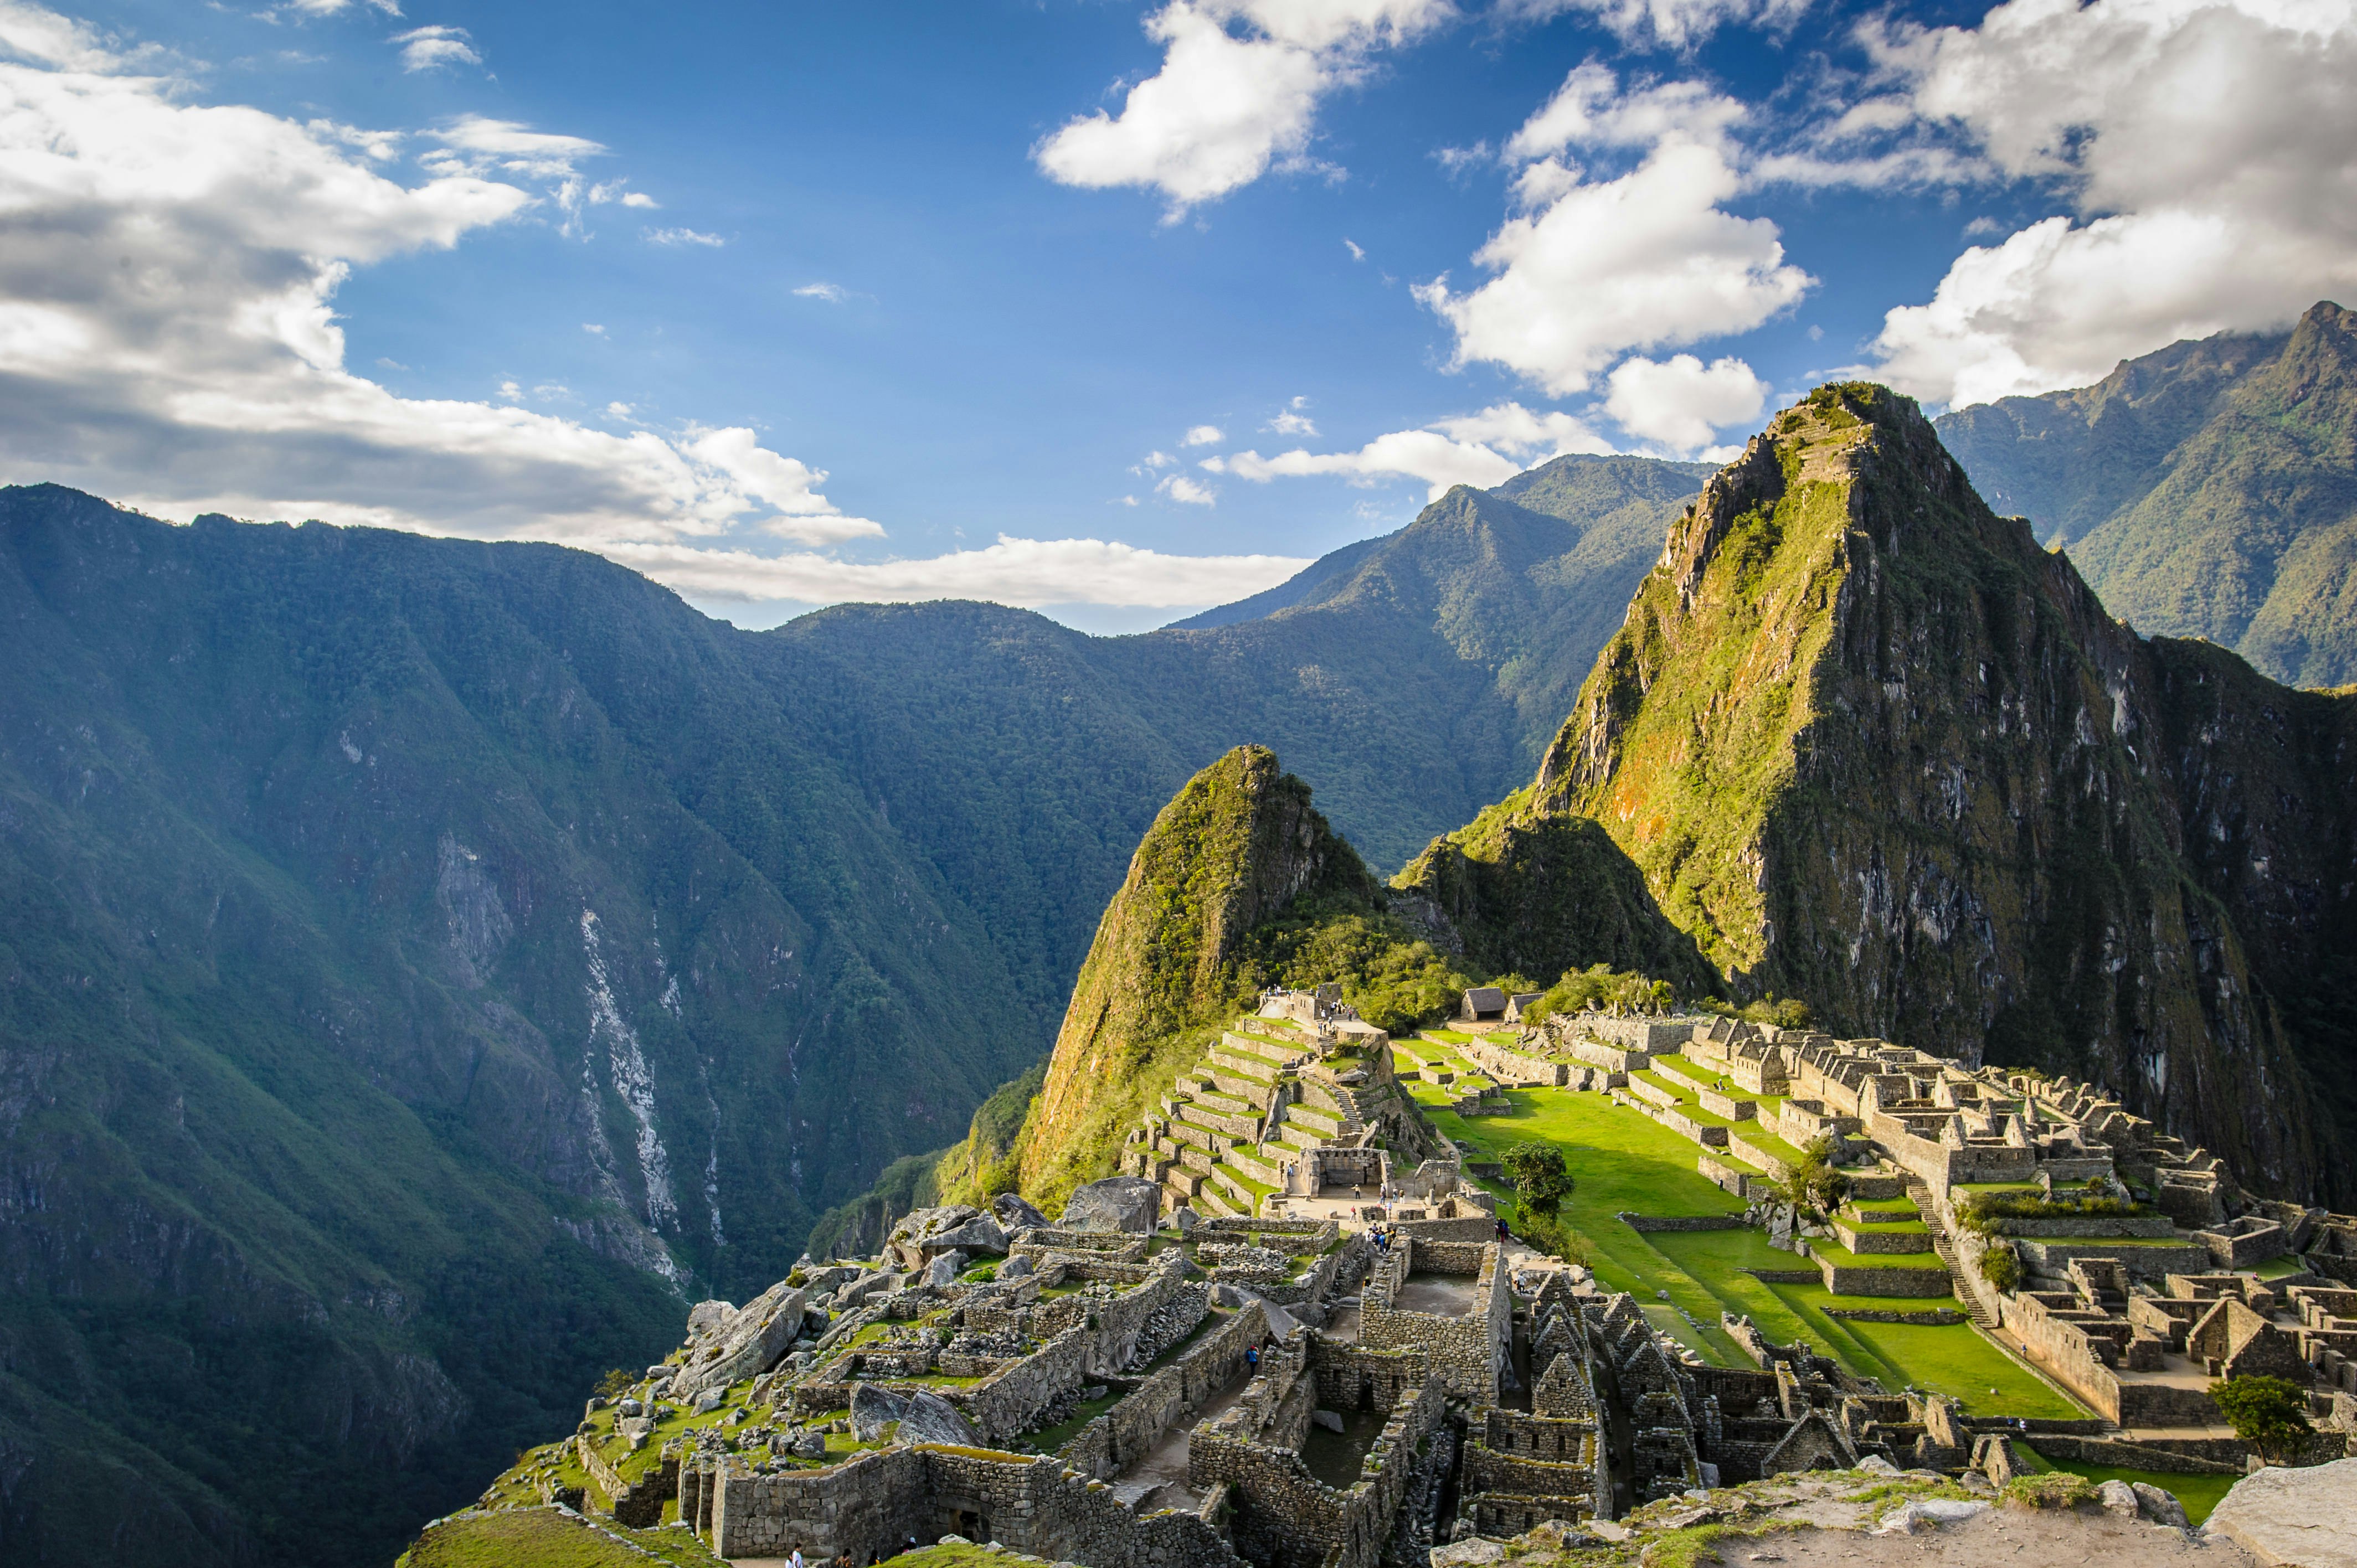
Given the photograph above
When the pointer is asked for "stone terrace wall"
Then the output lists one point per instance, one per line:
(874, 1502)
(1353, 1377)
(1448, 1257)
(1122, 1434)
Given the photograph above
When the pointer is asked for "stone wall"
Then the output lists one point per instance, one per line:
(1354, 1377)
(1286, 1517)
(1843, 1279)
(1121, 1435)
(1467, 1352)
(2066, 1350)
(1681, 1222)
(637, 1504)
(876, 1501)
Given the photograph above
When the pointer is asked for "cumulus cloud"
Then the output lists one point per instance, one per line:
(431, 48)
(168, 272)
(833, 293)
(1480, 449)
(1203, 435)
(1190, 492)
(690, 237)
(1678, 24)
(2208, 158)
(1590, 268)
(1237, 93)
(1680, 402)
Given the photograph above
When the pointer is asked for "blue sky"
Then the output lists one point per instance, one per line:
(1111, 309)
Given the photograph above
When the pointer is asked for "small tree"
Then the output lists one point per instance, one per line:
(1541, 1179)
(2268, 1413)
(2001, 1265)
(615, 1384)
(1815, 1182)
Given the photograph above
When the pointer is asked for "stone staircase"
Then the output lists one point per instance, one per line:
(1946, 1246)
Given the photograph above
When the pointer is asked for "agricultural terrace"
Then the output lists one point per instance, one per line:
(1622, 1161)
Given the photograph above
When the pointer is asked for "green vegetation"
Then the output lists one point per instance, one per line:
(2198, 1494)
(2268, 1413)
(2001, 1265)
(1600, 987)
(1541, 1179)
(1811, 1180)
(542, 1538)
(1980, 1210)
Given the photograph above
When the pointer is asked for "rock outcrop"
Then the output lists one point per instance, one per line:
(745, 1343)
(2306, 1516)
(1131, 1204)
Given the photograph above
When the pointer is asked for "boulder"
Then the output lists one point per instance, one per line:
(926, 1233)
(1186, 1220)
(2118, 1498)
(932, 1419)
(1226, 1296)
(809, 1445)
(710, 1400)
(944, 1268)
(630, 1408)
(1130, 1203)
(747, 1343)
(2159, 1506)
(1015, 1269)
(706, 1316)
(1014, 1214)
(2306, 1516)
(874, 1408)
(1474, 1553)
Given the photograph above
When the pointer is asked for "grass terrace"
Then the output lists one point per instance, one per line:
(1621, 1160)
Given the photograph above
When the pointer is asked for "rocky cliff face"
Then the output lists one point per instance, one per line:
(1872, 746)
(1239, 844)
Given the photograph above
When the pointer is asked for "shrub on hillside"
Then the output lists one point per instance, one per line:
(1541, 1179)
(2001, 1266)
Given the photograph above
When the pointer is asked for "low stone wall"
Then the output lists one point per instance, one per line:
(2128, 1455)
(1475, 1228)
(2087, 1227)
(1875, 1241)
(1708, 1135)
(637, 1504)
(871, 1504)
(1849, 1279)
(1750, 1148)
(1937, 1316)
(1438, 1257)
(2145, 1262)
(1681, 1221)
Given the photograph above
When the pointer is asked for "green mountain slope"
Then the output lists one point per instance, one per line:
(1872, 746)
(2206, 490)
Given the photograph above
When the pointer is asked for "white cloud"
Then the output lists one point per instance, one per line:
(1483, 450)
(1026, 571)
(2207, 154)
(1353, 246)
(833, 293)
(330, 8)
(430, 49)
(593, 329)
(1203, 435)
(1179, 487)
(1594, 267)
(642, 199)
(686, 237)
(1680, 402)
(389, 364)
(168, 335)
(1238, 91)
(1288, 423)
(1678, 24)
(618, 410)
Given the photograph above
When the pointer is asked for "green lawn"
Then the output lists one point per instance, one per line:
(1623, 1160)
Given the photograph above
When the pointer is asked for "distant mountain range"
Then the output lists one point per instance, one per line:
(2206, 490)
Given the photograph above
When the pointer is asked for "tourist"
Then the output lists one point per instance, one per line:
(1252, 1360)
(795, 1559)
